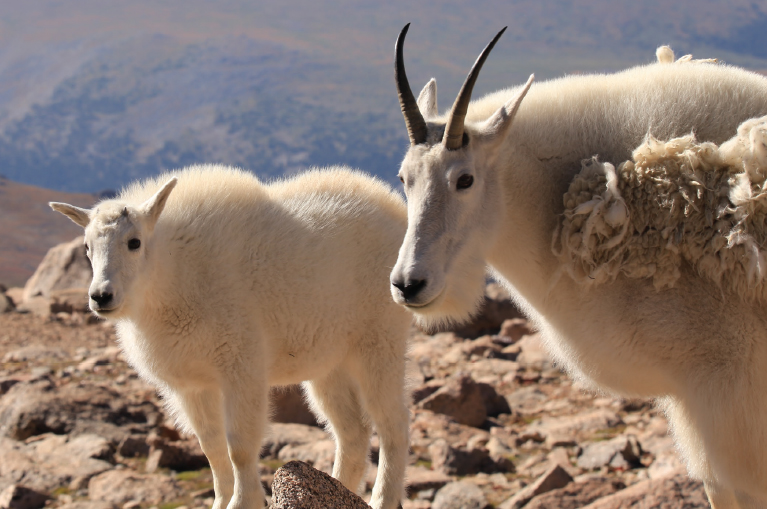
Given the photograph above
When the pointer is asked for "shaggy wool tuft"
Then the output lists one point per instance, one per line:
(674, 202)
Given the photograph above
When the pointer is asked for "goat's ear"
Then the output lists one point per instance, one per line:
(427, 100)
(152, 208)
(76, 214)
(500, 121)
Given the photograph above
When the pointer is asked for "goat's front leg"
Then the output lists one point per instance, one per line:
(720, 498)
(246, 402)
(204, 410)
(747, 501)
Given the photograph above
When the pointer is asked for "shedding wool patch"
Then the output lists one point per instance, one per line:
(674, 202)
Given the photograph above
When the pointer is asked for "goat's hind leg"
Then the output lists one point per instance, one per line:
(723, 498)
(204, 410)
(335, 398)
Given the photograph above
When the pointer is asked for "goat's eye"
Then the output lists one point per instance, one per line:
(402, 179)
(134, 244)
(464, 182)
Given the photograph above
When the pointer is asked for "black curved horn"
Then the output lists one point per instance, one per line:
(453, 138)
(416, 125)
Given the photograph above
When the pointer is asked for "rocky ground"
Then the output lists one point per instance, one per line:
(493, 422)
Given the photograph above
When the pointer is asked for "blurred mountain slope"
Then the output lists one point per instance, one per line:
(94, 94)
(28, 227)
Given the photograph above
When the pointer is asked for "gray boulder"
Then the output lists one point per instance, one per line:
(460, 495)
(621, 452)
(64, 267)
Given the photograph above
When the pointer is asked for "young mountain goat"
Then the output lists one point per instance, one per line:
(221, 286)
(483, 190)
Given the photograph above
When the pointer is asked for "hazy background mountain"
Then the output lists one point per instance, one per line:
(94, 94)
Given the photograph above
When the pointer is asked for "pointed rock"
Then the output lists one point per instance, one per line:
(298, 486)
(554, 478)
(461, 399)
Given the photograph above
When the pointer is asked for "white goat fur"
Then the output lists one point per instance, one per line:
(241, 285)
(700, 352)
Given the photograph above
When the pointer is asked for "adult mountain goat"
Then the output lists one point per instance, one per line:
(485, 186)
(221, 286)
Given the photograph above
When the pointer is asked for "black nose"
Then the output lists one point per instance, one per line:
(102, 299)
(411, 288)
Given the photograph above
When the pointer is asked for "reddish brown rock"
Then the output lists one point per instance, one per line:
(461, 399)
(289, 406)
(482, 347)
(492, 371)
(37, 353)
(319, 455)
(21, 497)
(6, 304)
(70, 300)
(420, 479)
(38, 306)
(515, 329)
(6, 383)
(288, 442)
(16, 294)
(569, 427)
(416, 504)
(527, 400)
(678, 492)
(459, 495)
(52, 461)
(296, 485)
(125, 485)
(556, 477)
(37, 407)
(285, 434)
(533, 354)
(133, 446)
(425, 390)
(576, 495)
(465, 461)
(495, 404)
(496, 307)
(88, 504)
(176, 455)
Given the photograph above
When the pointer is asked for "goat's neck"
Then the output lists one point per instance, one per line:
(532, 200)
